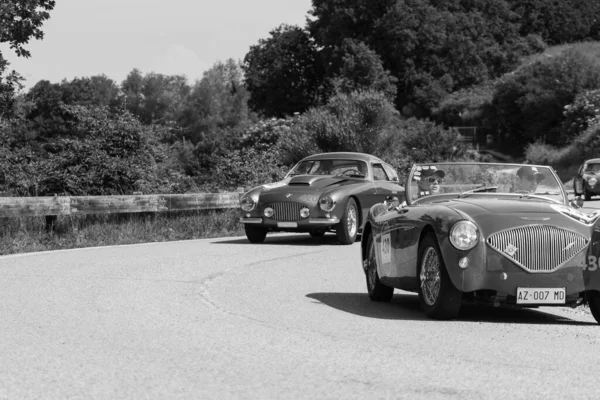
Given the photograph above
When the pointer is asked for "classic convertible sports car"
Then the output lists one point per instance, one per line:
(322, 192)
(483, 232)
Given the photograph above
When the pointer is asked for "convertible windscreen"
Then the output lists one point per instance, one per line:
(468, 179)
(329, 167)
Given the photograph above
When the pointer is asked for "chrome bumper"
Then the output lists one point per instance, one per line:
(311, 221)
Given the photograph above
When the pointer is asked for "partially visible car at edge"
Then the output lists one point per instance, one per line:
(586, 182)
(481, 239)
(321, 193)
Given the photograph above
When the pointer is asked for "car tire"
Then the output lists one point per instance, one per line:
(586, 194)
(347, 229)
(255, 234)
(317, 233)
(438, 296)
(377, 290)
(593, 300)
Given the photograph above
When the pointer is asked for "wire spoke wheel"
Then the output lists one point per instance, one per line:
(430, 276)
(352, 221)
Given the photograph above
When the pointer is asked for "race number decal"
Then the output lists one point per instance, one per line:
(386, 249)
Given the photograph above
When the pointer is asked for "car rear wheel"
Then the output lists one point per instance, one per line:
(317, 233)
(438, 297)
(347, 229)
(593, 299)
(377, 290)
(255, 234)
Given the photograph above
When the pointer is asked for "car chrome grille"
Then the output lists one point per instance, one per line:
(538, 248)
(286, 211)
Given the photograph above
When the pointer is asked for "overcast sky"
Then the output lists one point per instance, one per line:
(83, 38)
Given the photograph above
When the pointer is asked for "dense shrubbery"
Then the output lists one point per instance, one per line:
(566, 159)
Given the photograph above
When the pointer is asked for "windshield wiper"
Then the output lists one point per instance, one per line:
(478, 190)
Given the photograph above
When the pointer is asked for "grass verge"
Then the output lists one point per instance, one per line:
(28, 234)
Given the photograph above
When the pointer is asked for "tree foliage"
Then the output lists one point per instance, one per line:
(20, 20)
(283, 73)
(558, 22)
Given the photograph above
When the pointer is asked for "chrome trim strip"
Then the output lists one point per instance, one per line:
(324, 221)
(251, 220)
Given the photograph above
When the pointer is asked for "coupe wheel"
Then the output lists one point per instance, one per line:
(593, 299)
(438, 297)
(255, 234)
(347, 229)
(377, 290)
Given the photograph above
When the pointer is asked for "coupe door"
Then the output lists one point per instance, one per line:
(385, 183)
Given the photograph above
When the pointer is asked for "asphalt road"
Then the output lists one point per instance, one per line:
(221, 318)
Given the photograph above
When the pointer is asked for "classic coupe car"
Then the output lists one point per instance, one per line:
(505, 234)
(321, 193)
(586, 182)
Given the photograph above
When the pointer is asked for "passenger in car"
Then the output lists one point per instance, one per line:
(527, 179)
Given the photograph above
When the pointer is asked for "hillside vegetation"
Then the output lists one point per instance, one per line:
(395, 78)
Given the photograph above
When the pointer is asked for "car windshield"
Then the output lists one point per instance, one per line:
(592, 168)
(330, 167)
(520, 181)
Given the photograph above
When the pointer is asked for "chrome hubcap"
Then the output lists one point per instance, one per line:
(430, 276)
(352, 221)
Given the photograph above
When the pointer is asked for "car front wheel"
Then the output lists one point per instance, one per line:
(593, 299)
(347, 229)
(255, 234)
(438, 297)
(377, 290)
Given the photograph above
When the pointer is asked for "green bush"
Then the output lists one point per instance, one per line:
(354, 122)
(528, 105)
(416, 141)
(566, 159)
(584, 112)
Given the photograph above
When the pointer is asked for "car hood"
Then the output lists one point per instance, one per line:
(297, 188)
(493, 215)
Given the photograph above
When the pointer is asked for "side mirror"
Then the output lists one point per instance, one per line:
(577, 202)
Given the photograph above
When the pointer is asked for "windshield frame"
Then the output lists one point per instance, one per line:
(454, 195)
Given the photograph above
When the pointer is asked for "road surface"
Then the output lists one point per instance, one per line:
(222, 318)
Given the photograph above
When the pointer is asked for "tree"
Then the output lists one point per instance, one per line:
(362, 69)
(432, 48)
(283, 73)
(559, 22)
(218, 101)
(20, 20)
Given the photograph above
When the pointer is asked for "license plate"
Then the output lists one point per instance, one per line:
(541, 295)
(287, 224)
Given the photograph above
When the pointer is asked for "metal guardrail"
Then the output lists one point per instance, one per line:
(81, 205)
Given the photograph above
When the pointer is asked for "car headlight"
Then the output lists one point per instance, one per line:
(592, 181)
(248, 203)
(464, 235)
(326, 203)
